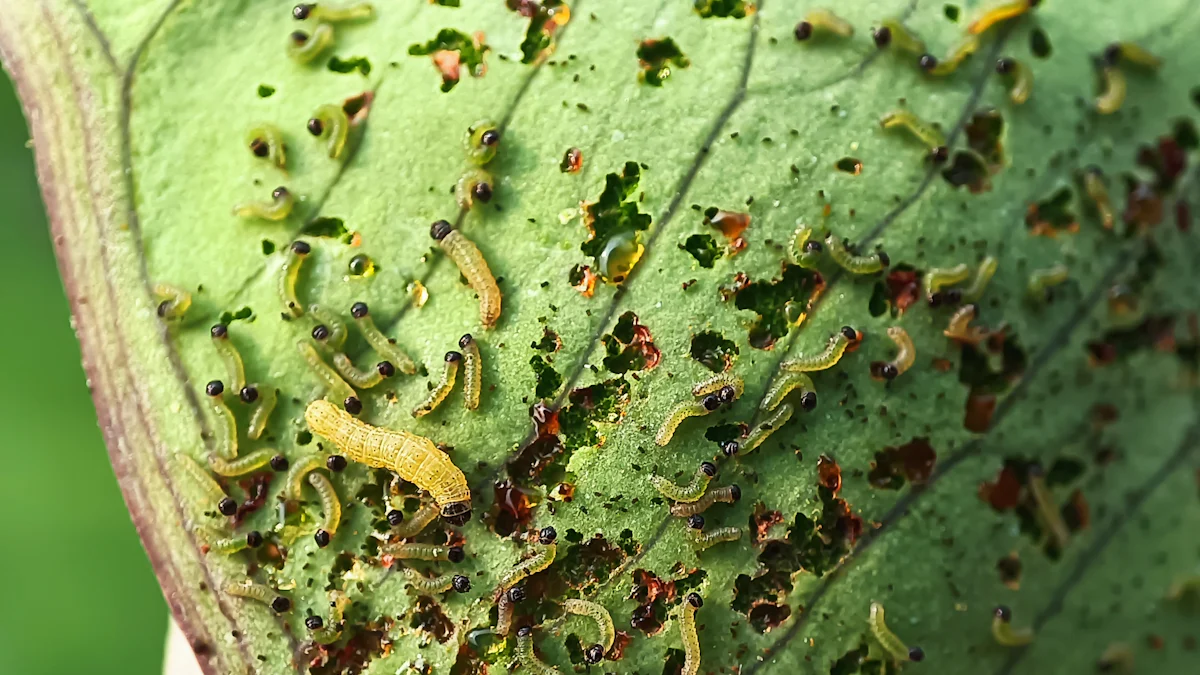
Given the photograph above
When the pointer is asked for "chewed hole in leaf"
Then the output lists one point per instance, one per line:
(796, 287)
(713, 351)
(453, 50)
(1039, 43)
(359, 64)
(703, 248)
(656, 56)
(630, 347)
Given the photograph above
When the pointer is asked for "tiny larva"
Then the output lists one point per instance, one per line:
(762, 431)
(545, 548)
(418, 522)
(959, 327)
(476, 184)
(330, 329)
(266, 142)
(923, 131)
(1042, 281)
(431, 552)
(331, 508)
(854, 264)
(893, 32)
(603, 619)
(305, 47)
(266, 398)
(225, 437)
(725, 495)
(336, 385)
(229, 545)
(687, 630)
(504, 609)
(785, 383)
(683, 411)
(212, 490)
(280, 207)
(894, 646)
(846, 338)
(805, 253)
(1020, 77)
(905, 355)
(983, 277)
(690, 492)
(242, 465)
(525, 656)
(471, 264)
(173, 303)
(248, 589)
(1048, 513)
(382, 344)
(481, 141)
(1003, 631)
(472, 371)
(331, 124)
(362, 379)
(961, 52)
(442, 389)
(821, 20)
(999, 14)
(290, 271)
(1113, 97)
(361, 11)
(438, 584)
(937, 278)
(229, 355)
(701, 540)
(1096, 190)
(328, 633)
(1131, 53)
(298, 471)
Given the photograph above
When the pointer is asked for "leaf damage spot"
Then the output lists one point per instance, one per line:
(615, 224)
(703, 248)
(780, 304)
(655, 58)
(724, 9)
(582, 279)
(850, 165)
(452, 50)
(713, 351)
(358, 64)
(732, 225)
(912, 462)
(548, 379)
(545, 19)
(630, 347)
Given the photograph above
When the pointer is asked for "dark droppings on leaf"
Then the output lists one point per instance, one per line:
(325, 227)
(713, 350)
(548, 379)
(703, 248)
(655, 57)
(796, 286)
(265, 90)
(849, 165)
(912, 462)
(630, 347)
(615, 223)
(1039, 43)
(725, 9)
(451, 50)
(359, 64)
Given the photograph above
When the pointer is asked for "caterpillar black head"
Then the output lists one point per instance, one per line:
(456, 513)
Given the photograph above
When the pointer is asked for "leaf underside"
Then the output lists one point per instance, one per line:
(139, 113)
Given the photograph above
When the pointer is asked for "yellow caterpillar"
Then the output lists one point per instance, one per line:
(470, 262)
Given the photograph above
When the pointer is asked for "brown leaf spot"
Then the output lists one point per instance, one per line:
(829, 474)
(912, 461)
(980, 407)
(1004, 493)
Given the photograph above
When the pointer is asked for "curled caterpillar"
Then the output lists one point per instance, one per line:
(690, 492)
(845, 339)
(504, 609)
(683, 411)
(545, 549)
(229, 355)
(362, 379)
(937, 278)
(438, 584)
(960, 53)
(854, 264)
(297, 252)
(1117, 658)
(212, 490)
(718, 382)
(472, 265)
(419, 521)
(892, 32)
(1005, 634)
(525, 656)
(334, 382)
(475, 184)
(891, 644)
(298, 471)
(1041, 282)
(1005, 11)
(481, 141)
(248, 589)
(360, 11)
(331, 508)
(784, 384)
(701, 540)
(821, 20)
(1048, 513)
(331, 123)
(266, 398)
(1021, 77)
(983, 277)
(1113, 97)
(803, 252)
(1097, 191)
(173, 303)
(960, 329)
(415, 458)
(225, 438)
(905, 355)
(213, 541)
(472, 371)
(443, 387)
(241, 466)
(409, 551)
(597, 613)
(1119, 53)
(687, 630)
(304, 47)
(280, 207)
(382, 344)
(330, 329)
(266, 142)
(923, 131)
(327, 633)
(729, 494)
(763, 430)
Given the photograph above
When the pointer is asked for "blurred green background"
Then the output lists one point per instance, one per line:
(79, 592)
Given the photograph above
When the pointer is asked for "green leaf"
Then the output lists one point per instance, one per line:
(917, 494)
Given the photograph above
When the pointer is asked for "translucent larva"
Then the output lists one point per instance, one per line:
(1096, 190)
(1005, 634)
(442, 389)
(960, 329)
(382, 344)
(805, 253)
(213, 541)
(504, 609)
(729, 494)
(280, 206)
(298, 471)
(764, 429)
(360, 11)
(334, 382)
(438, 584)
(854, 264)
(419, 521)
(173, 303)
(846, 338)
(248, 589)
(1005, 11)
(472, 371)
(596, 612)
(1041, 281)
(525, 656)
(923, 131)
(937, 278)
(212, 490)
(431, 552)
(230, 356)
(905, 355)
(690, 492)
(330, 329)
(266, 142)
(331, 124)
(960, 53)
(362, 379)
(328, 632)
(331, 508)
(1119, 53)
(1048, 513)
(471, 264)
(242, 465)
(225, 437)
(784, 384)
(683, 411)
(1113, 97)
(481, 141)
(305, 47)
(1184, 584)
(1020, 78)
(701, 540)
(894, 646)
(687, 630)
(821, 20)
(415, 458)
(290, 271)
(545, 548)
(265, 398)
(1117, 658)
(983, 277)
(718, 382)
(476, 184)
(892, 32)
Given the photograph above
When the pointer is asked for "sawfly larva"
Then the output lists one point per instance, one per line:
(891, 644)
(1117, 658)
(937, 278)
(1000, 13)
(687, 630)
(419, 521)
(545, 549)
(760, 433)
(701, 540)
(212, 490)
(330, 329)
(414, 458)
(328, 634)
(331, 123)
(278, 208)
(1097, 191)
(443, 387)
(1119, 53)
(382, 344)
(690, 492)
(173, 303)
(213, 541)
(298, 472)
(504, 609)
(290, 271)
(718, 382)
(729, 494)
(821, 20)
(472, 371)
(482, 141)
(846, 338)
(225, 437)
(476, 184)
(597, 613)
(1182, 585)
(248, 589)
(431, 552)
(960, 329)
(438, 584)
(1048, 513)
(266, 142)
(923, 131)
(1042, 281)
(331, 508)
(471, 264)
(322, 12)
(803, 252)
(983, 277)
(681, 412)
(784, 384)
(241, 466)
(905, 355)
(1005, 634)
(304, 47)
(1113, 97)
(362, 379)
(1019, 75)
(229, 355)
(525, 656)
(854, 264)
(893, 32)
(960, 53)
(333, 382)
(266, 398)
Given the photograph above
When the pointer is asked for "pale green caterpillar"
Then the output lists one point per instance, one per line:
(475, 184)
(362, 379)
(241, 466)
(844, 339)
(701, 540)
(472, 371)
(382, 344)
(280, 207)
(336, 385)
(212, 490)
(248, 589)
(454, 554)
(891, 644)
(854, 264)
(683, 411)
(266, 142)
(687, 630)
(1005, 634)
(690, 492)
(213, 541)
(443, 387)
(290, 271)
(482, 141)
(546, 549)
(438, 584)
(784, 384)
(225, 438)
(330, 507)
(596, 612)
(764, 429)
(419, 521)
(729, 494)
(304, 48)
(331, 123)
(528, 660)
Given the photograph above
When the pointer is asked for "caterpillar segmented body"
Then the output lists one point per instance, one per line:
(305, 47)
(905, 355)
(761, 432)
(1003, 631)
(242, 465)
(1182, 585)
(431, 552)
(1000, 13)
(983, 277)
(1113, 97)
(893, 32)
(960, 329)
(472, 371)
(382, 344)
(729, 494)
(331, 508)
(1041, 281)
(785, 383)
(937, 278)
(419, 521)
(225, 437)
(1117, 658)
(362, 379)
(334, 333)
(438, 584)
(690, 492)
(471, 264)
(229, 355)
(331, 123)
(681, 412)
(481, 141)
(280, 207)
(1132, 53)
(212, 490)
(687, 630)
(213, 541)
(415, 458)
(525, 656)
(718, 382)
(298, 471)
(265, 399)
(1097, 191)
(597, 613)
(1020, 76)
(443, 387)
(328, 632)
(545, 548)
(894, 646)
(173, 303)
(336, 385)
(476, 184)
(961, 52)
(854, 264)
(360, 11)
(845, 339)
(248, 589)
(701, 540)
(823, 20)
(805, 253)
(504, 609)
(927, 133)
(266, 142)
(1048, 513)
(296, 254)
